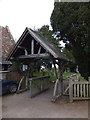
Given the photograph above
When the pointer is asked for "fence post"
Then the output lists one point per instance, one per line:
(89, 78)
(71, 90)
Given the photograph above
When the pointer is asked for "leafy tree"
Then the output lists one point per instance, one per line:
(54, 37)
(69, 55)
(47, 34)
(72, 20)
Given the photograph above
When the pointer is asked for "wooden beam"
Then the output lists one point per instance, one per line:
(23, 36)
(55, 69)
(56, 83)
(61, 68)
(18, 89)
(32, 47)
(60, 88)
(39, 50)
(26, 52)
(34, 56)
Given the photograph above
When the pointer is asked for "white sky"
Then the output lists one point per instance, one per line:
(19, 14)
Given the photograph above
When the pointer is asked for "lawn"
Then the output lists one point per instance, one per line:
(52, 75)
(67, 74)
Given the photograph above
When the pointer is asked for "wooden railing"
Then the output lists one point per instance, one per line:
(38, 85)
(79, 90)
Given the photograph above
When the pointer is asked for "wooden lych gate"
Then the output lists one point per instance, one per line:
(32, 48)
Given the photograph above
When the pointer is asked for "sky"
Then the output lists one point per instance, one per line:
(19, 14)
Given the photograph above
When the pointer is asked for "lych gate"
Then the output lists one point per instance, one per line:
(32, 48)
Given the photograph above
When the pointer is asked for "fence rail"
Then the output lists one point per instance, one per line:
(79, 90)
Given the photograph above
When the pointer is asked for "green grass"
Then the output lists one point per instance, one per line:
(53, 76)
(82, 78)
(67, 74)
(37, 74)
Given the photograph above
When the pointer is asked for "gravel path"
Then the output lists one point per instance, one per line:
(21, 106)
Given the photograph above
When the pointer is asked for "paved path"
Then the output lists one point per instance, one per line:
(21, 106)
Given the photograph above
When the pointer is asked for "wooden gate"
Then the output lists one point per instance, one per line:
(66, 83)
(79, 90)
(76, 90)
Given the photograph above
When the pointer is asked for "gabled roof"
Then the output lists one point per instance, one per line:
(28, 35)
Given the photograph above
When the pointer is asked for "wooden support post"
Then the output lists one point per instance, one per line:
(56, 84)
(61, 77)
(71, 90)
(32, 47)
(89, 78)
(39, 50)
(26, 53)
(59, 81)
(27, 77)
(55, 88)
(26, 82)
(55, 70)
(58, 88)
(18, 89)
(30, 88)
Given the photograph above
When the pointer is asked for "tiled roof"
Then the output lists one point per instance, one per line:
(6, 41)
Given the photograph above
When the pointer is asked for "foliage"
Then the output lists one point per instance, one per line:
(69, 54)
(67, 74)
(82, 78)
(53, 78)
(72, 20)
(47, 34)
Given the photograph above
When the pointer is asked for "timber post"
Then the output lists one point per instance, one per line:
(60, 72)
(55, 69)
(58, 88)
(71, 90)
(56, 83)
(89, 78)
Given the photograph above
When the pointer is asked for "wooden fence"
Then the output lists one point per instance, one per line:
(13, 75)
(66, 83)
(38, 85)
(79, 90)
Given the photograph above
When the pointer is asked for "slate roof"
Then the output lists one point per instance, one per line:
(6, 41)
(47, 45)
(6, 44)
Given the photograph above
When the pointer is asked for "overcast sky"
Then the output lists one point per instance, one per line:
(18, 14)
